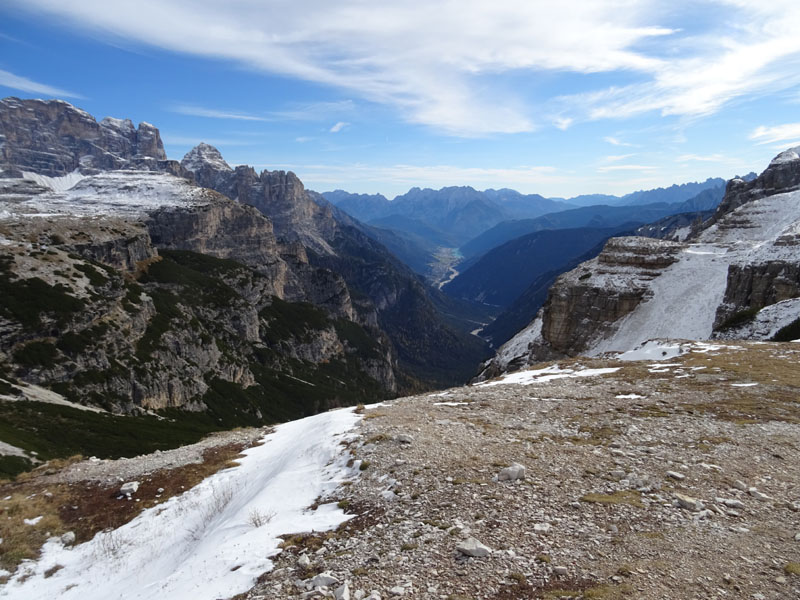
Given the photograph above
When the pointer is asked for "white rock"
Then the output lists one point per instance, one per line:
(512, 473)
(797, 537)
(342, 592)
(676, 475)
(375, 595)
(304, 561)
(732, 502)
(542, 527)
(561, 570)
(397, 591)
(129, 488)
(689, 503)
(740, 485)
(68, 538)
(758, 495)
(323, 580)
(404, 438)
(472, 547)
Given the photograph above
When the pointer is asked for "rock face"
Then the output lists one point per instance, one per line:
(736, 267)
(54, 138)
(390, 296)
(135, 289)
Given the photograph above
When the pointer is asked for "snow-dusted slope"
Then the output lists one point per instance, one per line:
(638, 289)
(206, 544)
(685, 297)
(115, 193)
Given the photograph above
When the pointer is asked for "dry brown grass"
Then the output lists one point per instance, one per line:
(20, 540)
(87, 508)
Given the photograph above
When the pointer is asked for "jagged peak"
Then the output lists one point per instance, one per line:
(118, 124)
(786, 156)
(204, 155)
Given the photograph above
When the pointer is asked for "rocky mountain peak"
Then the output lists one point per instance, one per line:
(205, 157)
(782, 175)
(53, 138)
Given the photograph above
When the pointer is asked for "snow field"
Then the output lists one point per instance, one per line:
(214, 540)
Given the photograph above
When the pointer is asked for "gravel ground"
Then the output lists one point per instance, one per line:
(110, 472)
(673, 481)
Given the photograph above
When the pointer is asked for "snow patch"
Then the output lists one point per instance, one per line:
(205, 542)
(547, 374)
(652, 350)
(57, 184)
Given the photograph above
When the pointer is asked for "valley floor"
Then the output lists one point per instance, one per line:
(645, 480)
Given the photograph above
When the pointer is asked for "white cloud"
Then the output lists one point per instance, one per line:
(23, 84)
(338, 127)
(610, 168)
(617, 157)
(431, 60)
(776, 133)
(425, 59)
(199, 111)
(702, 158)
(615, 142)
(751, 50)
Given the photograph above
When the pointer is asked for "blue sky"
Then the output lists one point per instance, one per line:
(553, 98)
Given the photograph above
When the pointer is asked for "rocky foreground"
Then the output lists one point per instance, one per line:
(677, 479)
(584, 479)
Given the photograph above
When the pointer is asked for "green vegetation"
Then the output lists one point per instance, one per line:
(292, 319)
(788, 333)
(74, 343)
(95, 278)
(27, 300)
(739, 318)
(36, 354)
(54, 431)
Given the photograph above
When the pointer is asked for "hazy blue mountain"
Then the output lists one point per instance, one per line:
(672, 194)
(503, 273)
(588, 216)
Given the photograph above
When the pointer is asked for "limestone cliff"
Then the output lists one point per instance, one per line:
(729, 272)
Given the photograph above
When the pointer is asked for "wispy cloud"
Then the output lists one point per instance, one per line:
(191, 140)
(23, 84)
(615, 142)
(718, 158)
(386, 53)
(617, 157)
(211, 113)
(610, 168)
(314, 111)
(775, 133)
(338, 127)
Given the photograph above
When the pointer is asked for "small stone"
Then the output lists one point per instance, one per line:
(542, 527)
(397, 590)
(758, 495)
(304, 562)
(374, 595)
(689, 503)
(732, 503)
(404, 438)
(740, 485)
(617, 474)
(797, 537)
(68, 539)
(342, 592)
(129, 488)
(727, 578)
(561, 571)
(676, 475)
(160, 491)
(781, 580)
(472, 547)
(512, 473)
(323, 580)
